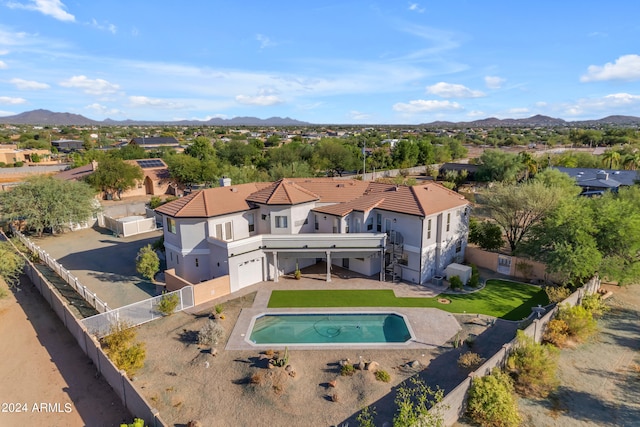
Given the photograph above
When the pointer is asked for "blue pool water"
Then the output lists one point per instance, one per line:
(330, 328)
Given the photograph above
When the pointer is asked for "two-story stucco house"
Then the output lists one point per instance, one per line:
(260, 231)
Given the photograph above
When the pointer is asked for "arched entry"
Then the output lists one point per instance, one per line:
(148, 185)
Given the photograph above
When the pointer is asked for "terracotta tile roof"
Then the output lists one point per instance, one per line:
(364, 203)
(212, 201)
(283, 192)
(342, 197)
(331, 190)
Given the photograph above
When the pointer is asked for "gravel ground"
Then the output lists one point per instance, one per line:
(600, 379)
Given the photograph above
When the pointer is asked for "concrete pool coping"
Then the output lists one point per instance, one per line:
(430, 328)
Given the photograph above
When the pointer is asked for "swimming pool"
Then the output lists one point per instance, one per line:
(330, 328)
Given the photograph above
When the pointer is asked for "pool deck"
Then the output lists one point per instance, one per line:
(430, 327)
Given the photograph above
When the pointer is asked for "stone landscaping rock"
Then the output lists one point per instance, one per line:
(414, 364)
(360, 366)
(373, 366)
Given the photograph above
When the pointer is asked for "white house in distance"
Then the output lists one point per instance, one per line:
(260, 231)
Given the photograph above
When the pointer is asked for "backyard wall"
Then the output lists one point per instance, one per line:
(118, 380)
(454, 403)
(520, 268)
(202, 292)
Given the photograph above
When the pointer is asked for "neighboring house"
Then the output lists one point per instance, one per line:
(459, 167)
(155, 182)
(68, 145)
(10, 153)
(155, 142)
(597, 181)
(260, 231)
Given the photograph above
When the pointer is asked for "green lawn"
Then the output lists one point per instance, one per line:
(499, 298)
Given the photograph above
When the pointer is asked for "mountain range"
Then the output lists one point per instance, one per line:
(46, 117)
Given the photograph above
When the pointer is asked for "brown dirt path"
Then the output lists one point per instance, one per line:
(41, 363)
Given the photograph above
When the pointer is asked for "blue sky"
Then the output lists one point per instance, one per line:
(334, 62)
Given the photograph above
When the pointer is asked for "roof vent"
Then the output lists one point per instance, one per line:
(234, 190)
(602, 175)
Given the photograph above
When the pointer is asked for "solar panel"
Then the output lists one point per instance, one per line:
(154, 163)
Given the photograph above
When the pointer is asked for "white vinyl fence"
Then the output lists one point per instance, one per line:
(137, 313)
(86, 294)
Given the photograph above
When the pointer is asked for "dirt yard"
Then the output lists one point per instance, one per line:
(236, 388)
(600, 380)
(45, 379)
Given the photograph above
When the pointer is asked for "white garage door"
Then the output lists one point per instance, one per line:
(250, 272)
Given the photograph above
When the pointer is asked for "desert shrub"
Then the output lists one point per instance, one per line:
(158, 245)
(556, 333)
(137, 422)
(533, 367)
(413, 400)
(366, 416)
(122, 349)
(147, 262)
(11, 263)
(474, 280)
(210, 333)
(557, 293)
(579, 320)
(491, 401)
(168, 303)
(279, 360)
(455, 282)
(257, 378)
(382, 375)
(347, 370)
(219, 308)
(469, 360)
(594, 304)
(3, 291)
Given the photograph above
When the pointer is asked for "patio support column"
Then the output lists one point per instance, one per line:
(275, 265)
(328, 265)
(382, 265)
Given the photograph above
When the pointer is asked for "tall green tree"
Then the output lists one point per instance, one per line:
(46, 202)
(498, 166)
(565, 241)
(334, 157)
(114, 176)
(11, 263)
(201, 148)
(518, 208)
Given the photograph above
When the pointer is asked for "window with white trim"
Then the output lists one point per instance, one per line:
(224, 231)
(281, 221)
(448, 221)
(171, 225)
(251, 223)
(428, 229)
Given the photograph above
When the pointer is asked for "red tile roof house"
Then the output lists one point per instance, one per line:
(260, 231)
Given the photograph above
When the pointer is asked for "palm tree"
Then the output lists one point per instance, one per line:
(632, 161)
(530, 164)
(611, 159)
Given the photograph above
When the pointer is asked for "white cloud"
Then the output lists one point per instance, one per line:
(104, 27)
(358, 115)
(622, 101)
(260, 100)
(3, 65)
(103, 110)
(422, 105)
(626, 68)
(11, 101)
(264, 41)
(415, 7)
(494, 82)
(92, 87)
(6, 113)
(143, 101)
(28, 84)
(450, 90)
(53, 8)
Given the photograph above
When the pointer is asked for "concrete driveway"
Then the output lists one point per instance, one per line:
(103, 263)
